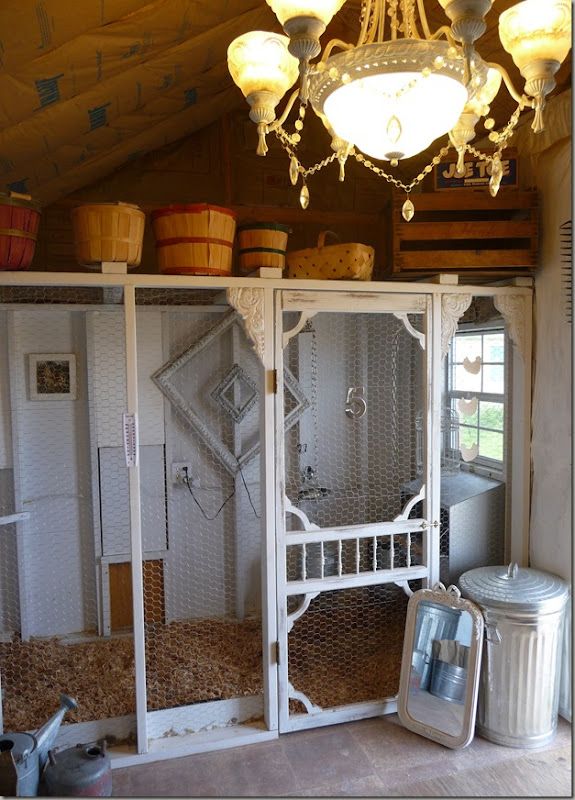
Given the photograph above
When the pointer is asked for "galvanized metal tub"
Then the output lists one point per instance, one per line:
(520, 676)
(433, 622)
(448, 681)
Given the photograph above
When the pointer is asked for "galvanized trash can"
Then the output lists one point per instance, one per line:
(519, 684)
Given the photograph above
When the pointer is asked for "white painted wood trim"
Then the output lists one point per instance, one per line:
(21, 527)
(331, 716)
(157, 281)
(121, 558)
(11, 518)
(382, 576)
(346, 532)
(434, 358)
(354, 302)
(198, 717)
(136, 523)
(280, 524)
(268, 484)
(519, 458)
(72, 733)
(179, 746)
(101, 579)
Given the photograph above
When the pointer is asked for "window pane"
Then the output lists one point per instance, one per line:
(491, 445)
(467, 346)
(463, 418)
(491, 415)
(493, 347)
(467, 436)
(493, 379)
(466, 381)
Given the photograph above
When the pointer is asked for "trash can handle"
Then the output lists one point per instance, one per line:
(492, 634)
(512, 570)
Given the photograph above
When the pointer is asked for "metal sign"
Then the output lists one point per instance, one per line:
(477, 173)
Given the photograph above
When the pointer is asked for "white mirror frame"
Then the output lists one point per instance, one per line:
(451, 598)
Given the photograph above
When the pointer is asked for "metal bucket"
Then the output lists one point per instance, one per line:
(519, 686)
(433, 622)
(448, 681)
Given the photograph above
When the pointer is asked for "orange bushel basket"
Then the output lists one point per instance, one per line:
(19, 220)
(335, 261)
(194, 239)
(108, 232)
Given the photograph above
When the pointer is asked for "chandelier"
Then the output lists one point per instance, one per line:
(400, 86)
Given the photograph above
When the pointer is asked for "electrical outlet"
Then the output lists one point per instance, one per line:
(179, 471)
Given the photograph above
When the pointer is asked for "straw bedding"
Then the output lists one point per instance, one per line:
(189, 662)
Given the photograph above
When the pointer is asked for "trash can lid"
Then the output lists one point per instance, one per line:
(514, 588)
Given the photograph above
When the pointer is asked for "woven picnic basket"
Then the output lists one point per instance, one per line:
(351, 261)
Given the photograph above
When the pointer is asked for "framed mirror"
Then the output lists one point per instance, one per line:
(440, 666)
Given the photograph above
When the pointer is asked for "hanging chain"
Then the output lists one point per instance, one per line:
(407, 187)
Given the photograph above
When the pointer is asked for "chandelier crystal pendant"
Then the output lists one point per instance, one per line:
(401, 86)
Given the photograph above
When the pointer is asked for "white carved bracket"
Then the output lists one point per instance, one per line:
(512, 309)
(453, 307)
(249, 303)
(310, 707)
(300, 610)
(409, 505)
(305, 316)
(291, 509)
(405, 586)
(402, 315)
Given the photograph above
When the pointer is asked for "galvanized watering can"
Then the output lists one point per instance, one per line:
(23, 755)
(81, 771)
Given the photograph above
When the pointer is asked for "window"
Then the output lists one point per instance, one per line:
(476, 392)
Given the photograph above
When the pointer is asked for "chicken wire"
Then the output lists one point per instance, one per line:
(61, 378)
(202, 606)
(343, 469)
(346, 648)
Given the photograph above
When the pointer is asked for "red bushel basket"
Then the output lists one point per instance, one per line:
(19, 220)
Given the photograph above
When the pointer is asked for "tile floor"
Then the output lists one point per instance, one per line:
(370, 758)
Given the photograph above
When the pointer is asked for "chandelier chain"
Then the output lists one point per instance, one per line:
(407, 187)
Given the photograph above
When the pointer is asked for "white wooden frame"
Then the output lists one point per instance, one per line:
(519, 296)
(308, 304)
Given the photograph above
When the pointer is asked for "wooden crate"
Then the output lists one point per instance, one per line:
(466, 232)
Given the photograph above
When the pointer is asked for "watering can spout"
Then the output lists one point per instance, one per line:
(46, 735)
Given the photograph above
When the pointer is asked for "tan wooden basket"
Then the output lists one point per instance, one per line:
(350, 261)
(261, 244)
(108, 232)
(194, 239)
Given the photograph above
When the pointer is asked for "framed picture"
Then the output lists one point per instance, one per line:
(52, 376)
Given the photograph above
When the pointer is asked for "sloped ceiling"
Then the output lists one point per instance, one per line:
(86, 87)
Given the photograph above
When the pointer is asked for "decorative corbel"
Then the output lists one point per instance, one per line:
(512, 309)
(249, 303)
(453, 307)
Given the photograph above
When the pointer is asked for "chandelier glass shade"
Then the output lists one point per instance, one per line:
(387, 98)
(401, 86)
